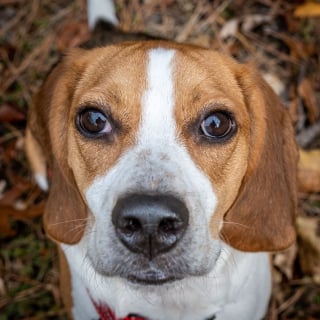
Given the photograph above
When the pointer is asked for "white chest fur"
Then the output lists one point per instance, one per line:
(237, 288)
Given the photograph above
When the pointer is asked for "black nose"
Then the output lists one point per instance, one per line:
(150, 224)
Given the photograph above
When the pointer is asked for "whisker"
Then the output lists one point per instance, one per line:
(68, 221)
(237, 224)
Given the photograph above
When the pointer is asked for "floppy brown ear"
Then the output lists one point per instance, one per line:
(262, 216)
(65, 212)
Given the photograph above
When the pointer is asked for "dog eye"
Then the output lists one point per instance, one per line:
(93, 122)
(217, 125)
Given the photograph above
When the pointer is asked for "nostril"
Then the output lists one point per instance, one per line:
(130, 225)
(170, 225)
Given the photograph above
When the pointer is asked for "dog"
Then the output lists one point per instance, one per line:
(171, 172)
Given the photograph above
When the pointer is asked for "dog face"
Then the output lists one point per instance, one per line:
(158, 152)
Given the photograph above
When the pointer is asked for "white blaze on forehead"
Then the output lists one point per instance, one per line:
(158, 100)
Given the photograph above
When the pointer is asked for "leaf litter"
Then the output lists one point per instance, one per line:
(281, 37)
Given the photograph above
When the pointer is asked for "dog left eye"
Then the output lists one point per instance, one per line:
(217, 125)
(93, 122)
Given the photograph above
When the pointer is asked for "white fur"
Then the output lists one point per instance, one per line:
(238, 287)
(158, 125)
(83, 308)
(41, 181)
(157, 163)
(101, 10)
(234, 285)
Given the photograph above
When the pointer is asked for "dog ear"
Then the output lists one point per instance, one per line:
(46, 145)
(262, 216)
(65, 213)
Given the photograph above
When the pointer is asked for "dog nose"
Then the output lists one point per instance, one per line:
(150, 224)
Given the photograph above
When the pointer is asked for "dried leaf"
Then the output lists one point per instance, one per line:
(12, 208)
(293, 110)
(284, 261)
(309, 171)
(9, 197)
(309, 249)
(308, 9)
(307, 93)
(274, 82)
(202, 41)
(9, 113)
(252, 21)
(9, 214)
(5, 225)
(298, 49)
(72, 35)
(229, 29)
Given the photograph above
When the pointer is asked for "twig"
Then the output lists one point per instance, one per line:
(292, 300)
(27, 61)
(189, 26)
(11, 25)
(212, 18)
(306, 136)
(22, 295)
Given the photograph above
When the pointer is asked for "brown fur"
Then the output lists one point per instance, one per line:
(65, 282)
(265, 208)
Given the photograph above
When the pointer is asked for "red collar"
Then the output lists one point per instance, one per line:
(105, 313)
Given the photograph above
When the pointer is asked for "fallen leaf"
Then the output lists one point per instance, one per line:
(252, 21)
(9, 197)
(9, 113)
(3, 290)
(284, 261)
(12, 208)
(274, 82)
(202, 41)
(298, 49)
(5, 225)
(308, 9)
(307, 93)
(72, 35)
(9, 214)
(229, 29)
(309, 248)
(309, 171)
(3, 185)
(293, 110)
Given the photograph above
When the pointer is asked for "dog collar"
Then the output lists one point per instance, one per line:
(105, 313)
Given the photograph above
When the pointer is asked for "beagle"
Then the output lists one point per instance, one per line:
(172, 174)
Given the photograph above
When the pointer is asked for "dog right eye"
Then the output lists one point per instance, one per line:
(92, 123)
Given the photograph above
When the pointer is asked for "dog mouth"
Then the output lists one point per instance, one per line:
(138, 270)
(152, 277)
(144, 272)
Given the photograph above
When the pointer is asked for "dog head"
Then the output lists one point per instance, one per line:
(158, 152)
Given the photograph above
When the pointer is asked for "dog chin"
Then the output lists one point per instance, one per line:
(153, 275)
(139, 271)
(152, 278)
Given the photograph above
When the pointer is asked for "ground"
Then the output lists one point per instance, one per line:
(281, 37)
